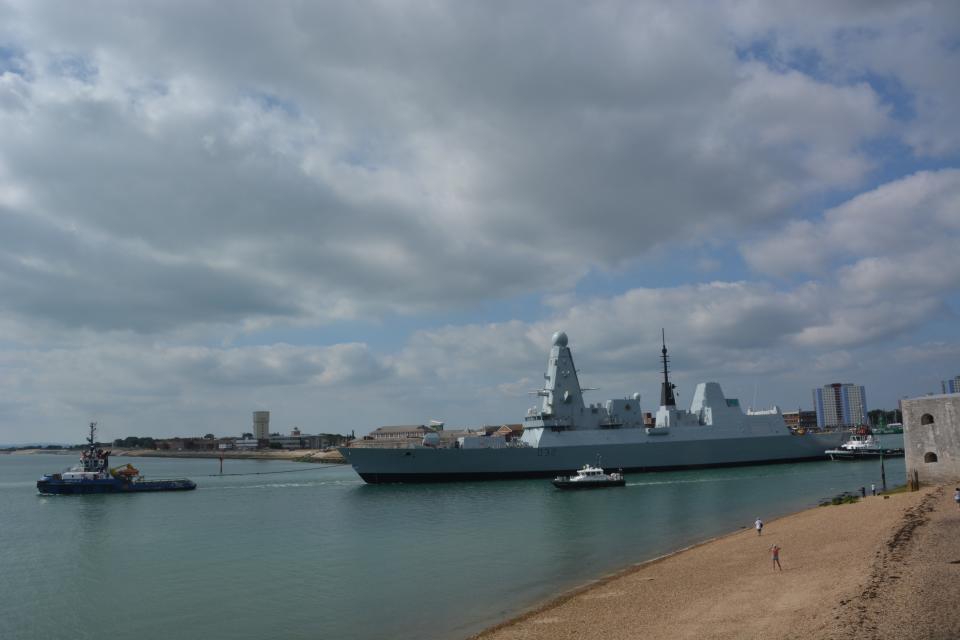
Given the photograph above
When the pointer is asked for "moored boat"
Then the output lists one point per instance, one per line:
(862, 444)
(589, 477)
(93, 475)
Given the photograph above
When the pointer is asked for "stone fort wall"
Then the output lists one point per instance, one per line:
(931, 438)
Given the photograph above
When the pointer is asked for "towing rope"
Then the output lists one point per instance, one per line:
(319, 467)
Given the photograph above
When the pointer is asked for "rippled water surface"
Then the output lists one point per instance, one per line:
(318, 554)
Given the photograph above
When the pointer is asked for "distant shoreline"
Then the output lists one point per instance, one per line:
(294, 455)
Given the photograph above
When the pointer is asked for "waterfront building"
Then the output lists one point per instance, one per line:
(401, 432)
(931, 438)
(246, 444)
(840, 405)
(261, 425)
(187, 444)
(800, 419)
(951, 386)
(278, 441)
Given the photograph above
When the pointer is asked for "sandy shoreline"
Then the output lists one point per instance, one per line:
(879, 568)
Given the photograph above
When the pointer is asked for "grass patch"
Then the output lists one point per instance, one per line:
(844, 498)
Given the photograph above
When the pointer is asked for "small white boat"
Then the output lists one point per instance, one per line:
(589, 477)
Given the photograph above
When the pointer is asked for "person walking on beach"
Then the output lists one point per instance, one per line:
(775, 554)
(759, 525)
(956, 497)
(873, 488)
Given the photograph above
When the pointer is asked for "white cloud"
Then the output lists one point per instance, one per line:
(166, 186)
(897, 241)
(351, 178)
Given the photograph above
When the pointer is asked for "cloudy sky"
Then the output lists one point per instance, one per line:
(366, 213)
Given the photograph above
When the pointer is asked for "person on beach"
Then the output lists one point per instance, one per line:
(873, 488)
(956, 497)
(775, 554)
(759, 526)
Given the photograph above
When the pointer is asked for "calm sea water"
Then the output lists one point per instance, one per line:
(318, 554)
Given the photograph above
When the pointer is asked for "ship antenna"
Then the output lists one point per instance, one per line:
(666, 391)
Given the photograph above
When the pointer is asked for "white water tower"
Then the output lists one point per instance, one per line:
(261, 425)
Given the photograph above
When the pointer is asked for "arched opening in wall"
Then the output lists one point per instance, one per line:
(930, 456)
(926, 419)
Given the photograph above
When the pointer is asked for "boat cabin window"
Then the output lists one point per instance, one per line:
(926, 419)
(930, 456)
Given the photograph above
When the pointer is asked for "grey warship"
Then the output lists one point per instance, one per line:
(564, 432)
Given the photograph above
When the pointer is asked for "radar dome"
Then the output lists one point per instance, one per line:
(559, 339)
(636, 397)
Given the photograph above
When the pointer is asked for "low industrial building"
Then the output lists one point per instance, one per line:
(402, 432)
(931, 438)
(799, 419)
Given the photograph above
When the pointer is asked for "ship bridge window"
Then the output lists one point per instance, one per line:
(926, 419)
(930, 456)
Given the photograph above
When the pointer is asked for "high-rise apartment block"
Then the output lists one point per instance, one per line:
(840, 405)
(951, 386)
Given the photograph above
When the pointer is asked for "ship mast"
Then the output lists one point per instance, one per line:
(666, 389)
(94, 459)
(93, 432)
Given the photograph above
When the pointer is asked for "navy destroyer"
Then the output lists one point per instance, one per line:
(94, 475)
(563, 433)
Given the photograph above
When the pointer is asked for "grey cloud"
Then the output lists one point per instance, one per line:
(357, 150)
(76, 281)
(196, 170)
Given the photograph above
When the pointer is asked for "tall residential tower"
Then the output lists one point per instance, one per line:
(951, 386)
(840, 405)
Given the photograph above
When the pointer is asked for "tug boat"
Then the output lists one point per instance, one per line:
(93, 475)
(589, 477)
(862, 444)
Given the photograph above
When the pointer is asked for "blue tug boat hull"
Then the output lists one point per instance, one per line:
(94, 475)
(50, 485)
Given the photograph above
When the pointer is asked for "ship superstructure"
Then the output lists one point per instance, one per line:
(563, 432)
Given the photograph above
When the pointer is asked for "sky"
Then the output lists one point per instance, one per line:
(356, 214)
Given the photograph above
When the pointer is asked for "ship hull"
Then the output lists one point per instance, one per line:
(82, 487)
(570, 485)
(843, 454)
(423, 464)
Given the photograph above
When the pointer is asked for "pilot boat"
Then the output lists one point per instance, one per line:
(590, 477)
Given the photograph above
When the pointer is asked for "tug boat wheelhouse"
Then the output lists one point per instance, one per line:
(93, 475)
